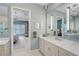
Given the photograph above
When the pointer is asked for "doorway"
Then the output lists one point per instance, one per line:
(20, 33)
(20, 29)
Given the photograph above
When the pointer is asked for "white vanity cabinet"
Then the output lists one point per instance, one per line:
(50, 49)
(5, 49)
(47, 48)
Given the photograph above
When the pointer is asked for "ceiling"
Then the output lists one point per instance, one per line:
(62, 7)
(55, 6)
(74, 8)
(43, 4)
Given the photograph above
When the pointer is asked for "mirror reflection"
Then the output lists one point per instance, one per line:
(64, 22)
(73, 32)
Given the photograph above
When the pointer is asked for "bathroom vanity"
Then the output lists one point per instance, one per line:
(4, 47)
(58, 46)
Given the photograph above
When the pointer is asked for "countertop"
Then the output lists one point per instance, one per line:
(68, 45)
(4, 41)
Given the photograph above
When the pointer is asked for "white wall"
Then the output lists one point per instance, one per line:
(37, 15)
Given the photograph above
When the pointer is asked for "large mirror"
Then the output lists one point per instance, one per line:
(72, 22)
(74, 18)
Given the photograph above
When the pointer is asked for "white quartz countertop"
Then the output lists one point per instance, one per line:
(4, 41)
(68, 45)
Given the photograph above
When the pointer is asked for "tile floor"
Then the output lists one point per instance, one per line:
(25, 51)
(19, 43)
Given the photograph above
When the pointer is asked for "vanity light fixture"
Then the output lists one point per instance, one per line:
(51, 23)
(68, 18)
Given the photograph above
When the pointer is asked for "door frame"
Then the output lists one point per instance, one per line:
(12, 20)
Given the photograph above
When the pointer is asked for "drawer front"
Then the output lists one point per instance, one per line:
(63, 52)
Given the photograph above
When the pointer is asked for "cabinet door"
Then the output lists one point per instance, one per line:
(42, 45)
(63, 52)
(50, 49)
